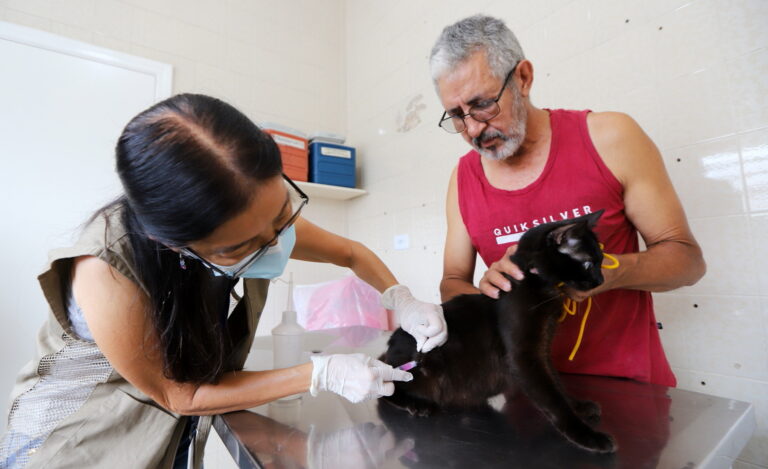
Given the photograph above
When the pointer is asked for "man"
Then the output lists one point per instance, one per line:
(529, 166)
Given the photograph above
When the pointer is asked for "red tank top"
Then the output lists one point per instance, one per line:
(621, 336)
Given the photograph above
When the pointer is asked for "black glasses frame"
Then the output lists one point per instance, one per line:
(445, 117)
(260, 252)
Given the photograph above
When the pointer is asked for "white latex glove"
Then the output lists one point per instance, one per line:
(356, 377)
(424, 321)
(366, 445)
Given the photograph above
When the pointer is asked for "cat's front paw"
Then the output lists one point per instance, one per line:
(421, 409)
(587, 410)
(414, 406)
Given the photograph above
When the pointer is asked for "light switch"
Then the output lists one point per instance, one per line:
(402, 241)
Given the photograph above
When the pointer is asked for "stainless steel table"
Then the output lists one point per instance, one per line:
(654, 426)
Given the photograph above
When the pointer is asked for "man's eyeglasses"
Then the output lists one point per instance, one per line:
(481, 112)
(297, 200)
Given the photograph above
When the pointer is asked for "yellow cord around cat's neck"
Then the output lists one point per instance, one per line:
(570, 306)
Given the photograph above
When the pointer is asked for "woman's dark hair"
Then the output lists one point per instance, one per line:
(187, 165)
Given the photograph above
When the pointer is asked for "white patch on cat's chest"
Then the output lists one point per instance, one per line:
(497, 401)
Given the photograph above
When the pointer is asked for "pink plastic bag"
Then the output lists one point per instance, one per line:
(339, 303)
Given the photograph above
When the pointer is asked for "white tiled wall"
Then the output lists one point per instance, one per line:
(695, 76)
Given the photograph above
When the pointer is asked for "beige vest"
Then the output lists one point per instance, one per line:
(117, 426)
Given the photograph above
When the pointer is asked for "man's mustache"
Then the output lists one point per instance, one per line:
(488, 135)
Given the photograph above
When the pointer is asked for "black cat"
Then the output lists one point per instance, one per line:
(497, 345)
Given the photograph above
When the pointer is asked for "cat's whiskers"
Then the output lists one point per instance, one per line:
(597, 306)
(556, 297)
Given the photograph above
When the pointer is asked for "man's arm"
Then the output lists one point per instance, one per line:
(673, 257)
(459, 254)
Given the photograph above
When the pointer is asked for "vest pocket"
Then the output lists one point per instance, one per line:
(118, 432)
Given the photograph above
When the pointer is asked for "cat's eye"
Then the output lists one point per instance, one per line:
(587, 265)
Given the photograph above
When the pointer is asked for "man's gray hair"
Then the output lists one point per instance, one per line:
(476, 33)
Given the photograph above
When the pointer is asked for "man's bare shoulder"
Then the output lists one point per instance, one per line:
(621, 143)
(608, 128)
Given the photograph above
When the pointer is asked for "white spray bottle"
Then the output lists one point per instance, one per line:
(288, 336)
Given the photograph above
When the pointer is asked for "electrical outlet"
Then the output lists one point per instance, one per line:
(401, 242)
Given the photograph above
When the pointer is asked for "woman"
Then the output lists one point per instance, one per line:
(139, 337)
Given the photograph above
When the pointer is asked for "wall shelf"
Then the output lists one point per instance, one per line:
(324, 191)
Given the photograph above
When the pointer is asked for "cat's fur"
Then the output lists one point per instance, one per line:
(496, 345)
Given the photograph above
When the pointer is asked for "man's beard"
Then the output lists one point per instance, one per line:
(511, 140)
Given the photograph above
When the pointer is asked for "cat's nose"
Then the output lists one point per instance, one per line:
(598, 278)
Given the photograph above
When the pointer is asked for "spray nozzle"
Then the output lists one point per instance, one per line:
(289, 306)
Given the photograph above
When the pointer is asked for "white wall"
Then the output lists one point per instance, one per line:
(695, 76)
(276, 61)
(51, 183)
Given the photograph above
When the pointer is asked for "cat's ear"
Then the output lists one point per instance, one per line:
(592, 218)
(559, 234)
(566, 237)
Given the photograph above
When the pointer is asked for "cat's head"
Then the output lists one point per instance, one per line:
(565, 251)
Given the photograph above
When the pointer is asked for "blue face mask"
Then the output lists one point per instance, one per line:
(271, 264)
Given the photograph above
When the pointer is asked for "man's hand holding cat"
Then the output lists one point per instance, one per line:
(494, 280)
(611, 280)
(424, 321)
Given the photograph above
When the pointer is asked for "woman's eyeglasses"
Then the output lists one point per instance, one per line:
(296, 197)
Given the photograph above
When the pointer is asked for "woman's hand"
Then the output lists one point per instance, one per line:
(494, 280)
(356, 377)
(424, 321)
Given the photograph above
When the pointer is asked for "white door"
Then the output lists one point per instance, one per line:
(63, 104)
